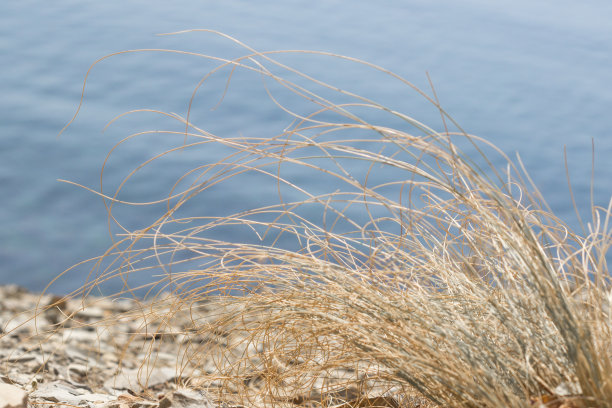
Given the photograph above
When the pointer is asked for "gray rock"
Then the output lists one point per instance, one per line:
(23, 358)
(136, 378)
(67, 394)
(567, 388)
(83, 335)
(91, 312)
(92, 399)
(57, 392)
(186, 398)
(12, 396)
(23, 323)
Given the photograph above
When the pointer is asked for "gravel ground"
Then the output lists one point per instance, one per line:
(86, 365)
(116, 354)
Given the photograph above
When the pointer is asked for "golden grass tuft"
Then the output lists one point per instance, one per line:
(414, 273)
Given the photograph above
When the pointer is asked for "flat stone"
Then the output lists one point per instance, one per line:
(93, 399)
(67, 394)
(82, 335)
(22, 379)
(23, 358)
(186, 398)
(91, 312)
(566, 389)
(22, 323)
(76, 355)
(134, 379)
(58, 392)
(12, 396)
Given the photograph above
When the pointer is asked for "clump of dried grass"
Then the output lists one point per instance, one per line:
(446, 279)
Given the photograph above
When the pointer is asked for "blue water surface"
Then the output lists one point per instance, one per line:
(532, 77)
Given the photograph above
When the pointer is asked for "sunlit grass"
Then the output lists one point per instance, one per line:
(411, 269)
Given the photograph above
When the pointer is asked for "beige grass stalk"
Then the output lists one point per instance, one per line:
(449, 280)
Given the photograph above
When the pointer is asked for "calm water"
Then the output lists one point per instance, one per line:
(532, 78)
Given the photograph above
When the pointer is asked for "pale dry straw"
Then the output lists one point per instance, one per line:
(448, 278)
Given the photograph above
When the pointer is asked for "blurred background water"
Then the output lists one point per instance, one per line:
(532, 77)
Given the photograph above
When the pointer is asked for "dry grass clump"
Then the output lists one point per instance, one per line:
(413, 271)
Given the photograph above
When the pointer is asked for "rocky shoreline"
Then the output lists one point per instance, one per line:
(126, 353)
(96, 359)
